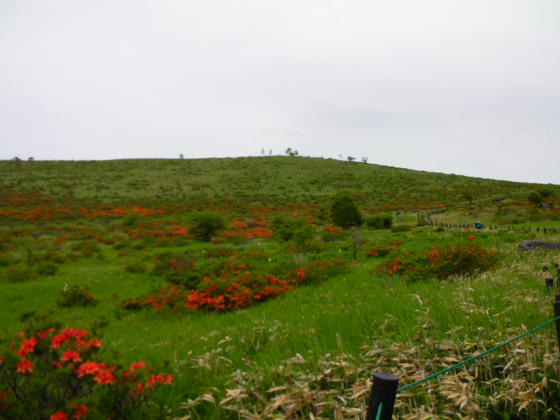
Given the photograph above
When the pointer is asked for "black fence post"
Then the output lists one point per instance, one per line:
(383, 392)
(556, 315)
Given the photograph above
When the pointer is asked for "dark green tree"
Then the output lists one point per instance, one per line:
(345, 213)
(205, 224)
(536, 198)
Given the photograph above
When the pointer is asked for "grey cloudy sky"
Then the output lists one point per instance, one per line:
(465, 87)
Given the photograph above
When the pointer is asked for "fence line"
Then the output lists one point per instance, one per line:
(478, 356)
(384, 387)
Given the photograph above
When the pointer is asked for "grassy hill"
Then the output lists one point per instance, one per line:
(283, 314)
(282, 178)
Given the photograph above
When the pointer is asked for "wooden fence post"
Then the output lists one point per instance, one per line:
(383, 392)
(556, 315)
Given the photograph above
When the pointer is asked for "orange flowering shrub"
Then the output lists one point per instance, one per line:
(51, 375)
(234, 286)
(331, 233)
(382, 250)
(441, 262)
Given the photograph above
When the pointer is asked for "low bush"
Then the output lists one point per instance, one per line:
(535, 197)
(441, 262)
(379, 221)
(401, 228)
(135, 267)
(47, 269)
(285, 226)
(178, 269)
(382, 250)
(75, 295)
(86, 249)
(332, 233)
(545, 192)
(16, 274)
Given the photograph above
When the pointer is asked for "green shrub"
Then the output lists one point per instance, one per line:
(54, 256)
(136, 267)
(536, 198)
(345, 213)
(178, 269)
(5, 260)
(130, 220)
(74, 295)
(121, 245)
(86, 249)
(47, 269)
(284, 226)
(380, 221)
(401, 228)
(319, 271)
(545, 192)
(205, 225)
(301, 238)
(16, 274)
(382, 250)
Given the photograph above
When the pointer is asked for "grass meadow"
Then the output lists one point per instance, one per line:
(282, 314)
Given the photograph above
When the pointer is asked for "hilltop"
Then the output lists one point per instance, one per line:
(284, 179)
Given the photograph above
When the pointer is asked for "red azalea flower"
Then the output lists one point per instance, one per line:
(60, 415)
(71, 356)
(138, 390)
(68, 334)
(89, 368)
(136, 366)
(159, 379)
(94, 342)
(104, 377)
(81, 411)
(25, 365)
(43, 334)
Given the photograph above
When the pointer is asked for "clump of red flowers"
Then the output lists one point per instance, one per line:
(441, 262)
(234, 287)
(75, 385)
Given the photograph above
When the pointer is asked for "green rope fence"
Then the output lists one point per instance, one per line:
(379, 410)
(384, 386)
(478, 356)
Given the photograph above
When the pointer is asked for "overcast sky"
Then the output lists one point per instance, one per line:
(465, 87)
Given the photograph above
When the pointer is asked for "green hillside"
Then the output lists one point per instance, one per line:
(231, 276)
(279, 179)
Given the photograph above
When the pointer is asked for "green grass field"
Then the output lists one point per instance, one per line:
(259, 326)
